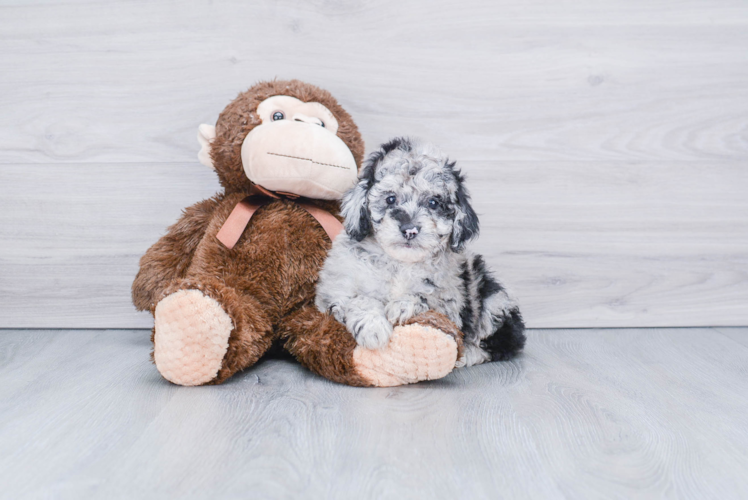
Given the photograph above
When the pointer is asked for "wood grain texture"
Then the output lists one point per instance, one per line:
(739, 335)
(487, 79)
(634, 244)
(606, 144)
(582, 414)
(73, 237)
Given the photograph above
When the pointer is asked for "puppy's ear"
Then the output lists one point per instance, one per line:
(465, 226)
(355, 208)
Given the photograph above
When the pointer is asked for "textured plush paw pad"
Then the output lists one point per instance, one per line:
(192, 336)
(415, 352)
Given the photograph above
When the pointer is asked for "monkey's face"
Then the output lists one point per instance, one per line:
(293, 148)
(296, 150)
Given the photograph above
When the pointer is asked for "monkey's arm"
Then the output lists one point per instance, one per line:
(170, 257)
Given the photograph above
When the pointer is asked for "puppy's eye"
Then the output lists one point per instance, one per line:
(433, 203)
(322, 124)
(278, 115)
(390, 199)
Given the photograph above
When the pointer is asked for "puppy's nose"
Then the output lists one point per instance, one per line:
(409, 231)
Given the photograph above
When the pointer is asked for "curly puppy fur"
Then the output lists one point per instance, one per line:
(407, 222)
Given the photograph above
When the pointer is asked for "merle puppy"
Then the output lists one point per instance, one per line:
(406, 225)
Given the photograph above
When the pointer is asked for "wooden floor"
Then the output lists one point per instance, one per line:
(582, 414)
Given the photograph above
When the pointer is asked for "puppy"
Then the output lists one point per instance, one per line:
(402, 253)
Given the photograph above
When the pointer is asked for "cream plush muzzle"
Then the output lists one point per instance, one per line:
(300, 158)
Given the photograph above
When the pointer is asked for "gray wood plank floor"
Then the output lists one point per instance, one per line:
(644, 413)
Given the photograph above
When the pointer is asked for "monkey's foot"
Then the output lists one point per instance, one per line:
(191, 339)
(425, 349)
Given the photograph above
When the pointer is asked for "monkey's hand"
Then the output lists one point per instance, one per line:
(401, 310)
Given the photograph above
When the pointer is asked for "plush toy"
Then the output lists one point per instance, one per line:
(236, 274)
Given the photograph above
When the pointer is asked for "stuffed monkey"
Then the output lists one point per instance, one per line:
(236, 274)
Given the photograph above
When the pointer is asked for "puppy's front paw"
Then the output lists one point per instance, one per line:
(373, 332)
(337, 313)
(401, 310)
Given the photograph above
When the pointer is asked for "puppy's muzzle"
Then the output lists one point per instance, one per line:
(409, 230)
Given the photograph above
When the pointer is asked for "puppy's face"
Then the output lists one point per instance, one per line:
(410, 198)
(411, 209)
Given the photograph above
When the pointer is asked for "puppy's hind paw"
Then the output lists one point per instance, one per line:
(373, 333)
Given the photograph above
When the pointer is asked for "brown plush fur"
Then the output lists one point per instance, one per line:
(266, 283)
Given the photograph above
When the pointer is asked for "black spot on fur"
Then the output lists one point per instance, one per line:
(401, 143)
(468, 226)
(364, 226)
(443, 209)
(400, 215)
(508, 339)
(368, 175)
(369, 171)
(466, 314)
(487, 285)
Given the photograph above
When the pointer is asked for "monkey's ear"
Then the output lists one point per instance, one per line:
(205, 135)
(465, 226)
(355, 207)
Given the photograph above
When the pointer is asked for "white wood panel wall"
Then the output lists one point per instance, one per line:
(606, 143)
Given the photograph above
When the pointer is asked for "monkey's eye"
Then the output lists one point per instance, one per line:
(433, 203)
(278, 115)
(390, 199)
